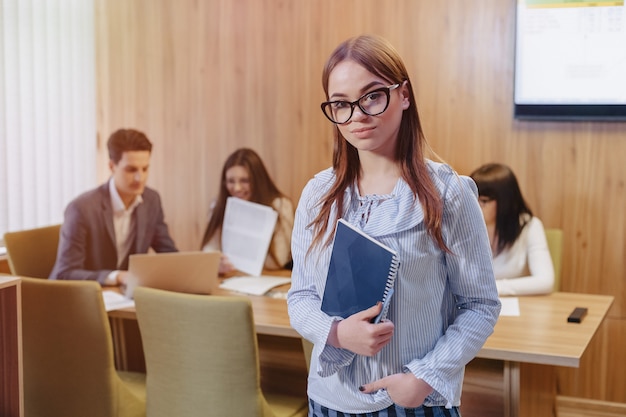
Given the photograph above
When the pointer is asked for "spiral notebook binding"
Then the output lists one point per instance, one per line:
(391, 279)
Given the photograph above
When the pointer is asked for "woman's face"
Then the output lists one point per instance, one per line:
(238, 182)
(349, 81)
(489, 207)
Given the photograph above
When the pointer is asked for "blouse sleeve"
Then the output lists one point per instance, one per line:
(541, 271)
(307, 282)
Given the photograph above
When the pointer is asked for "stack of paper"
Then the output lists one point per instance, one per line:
(115, 301)
(253, 285)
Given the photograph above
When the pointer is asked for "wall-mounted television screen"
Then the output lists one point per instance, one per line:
(570, 60)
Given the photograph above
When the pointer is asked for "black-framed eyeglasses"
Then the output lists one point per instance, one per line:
(373, 103)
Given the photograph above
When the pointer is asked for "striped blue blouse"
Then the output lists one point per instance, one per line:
(444, 306)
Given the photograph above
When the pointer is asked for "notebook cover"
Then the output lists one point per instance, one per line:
(361, 273)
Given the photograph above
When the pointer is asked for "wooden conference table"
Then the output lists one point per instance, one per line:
(530, 345)
(541, 336)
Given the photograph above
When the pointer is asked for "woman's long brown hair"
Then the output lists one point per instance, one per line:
(380, 58)
(262, 188)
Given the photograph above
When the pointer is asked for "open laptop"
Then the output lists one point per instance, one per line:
(189, 272)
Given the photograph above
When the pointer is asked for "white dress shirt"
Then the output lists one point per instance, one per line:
(124, 226)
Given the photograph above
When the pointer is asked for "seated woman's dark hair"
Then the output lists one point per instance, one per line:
(498, 182)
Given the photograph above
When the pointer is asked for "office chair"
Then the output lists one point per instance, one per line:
(202, 357)
(554, 238)
(32, 252)
(68, 362)
(307, 348)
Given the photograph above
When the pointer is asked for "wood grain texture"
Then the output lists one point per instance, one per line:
(202, 78)
(541, 333)
(577, 407)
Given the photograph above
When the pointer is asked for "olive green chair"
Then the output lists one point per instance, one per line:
(32, 252)
(68, 363)
(202, 358)
(307, 348)
(554, 238)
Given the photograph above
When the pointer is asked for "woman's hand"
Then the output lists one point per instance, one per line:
(404, 389)
(359, 335)
(225, 265)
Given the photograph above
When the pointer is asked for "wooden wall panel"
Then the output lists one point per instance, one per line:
(202, 78)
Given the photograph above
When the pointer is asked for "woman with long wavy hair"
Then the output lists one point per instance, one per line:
(244, 176)
(445, 302)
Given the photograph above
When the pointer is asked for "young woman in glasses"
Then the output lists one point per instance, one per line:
(445, 302)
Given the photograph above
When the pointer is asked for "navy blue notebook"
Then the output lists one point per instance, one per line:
(362, 272)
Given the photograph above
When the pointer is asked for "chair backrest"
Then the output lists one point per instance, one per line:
(554, 238)
(307, 348)
(32, 252)
(201, 354)
(68, 363)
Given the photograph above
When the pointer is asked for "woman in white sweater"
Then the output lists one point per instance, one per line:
(521, 259)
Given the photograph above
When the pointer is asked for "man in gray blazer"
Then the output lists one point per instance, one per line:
(102, 227)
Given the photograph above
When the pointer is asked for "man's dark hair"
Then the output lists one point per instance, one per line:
(124, 140)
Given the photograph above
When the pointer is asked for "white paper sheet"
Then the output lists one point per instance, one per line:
(116, 301)
(246, 234)
(510, 306)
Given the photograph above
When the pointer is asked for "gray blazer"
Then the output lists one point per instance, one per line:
(87, 247)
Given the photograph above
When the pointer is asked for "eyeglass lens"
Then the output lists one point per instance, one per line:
(373, 103)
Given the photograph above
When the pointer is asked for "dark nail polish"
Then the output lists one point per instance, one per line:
(361, 388)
